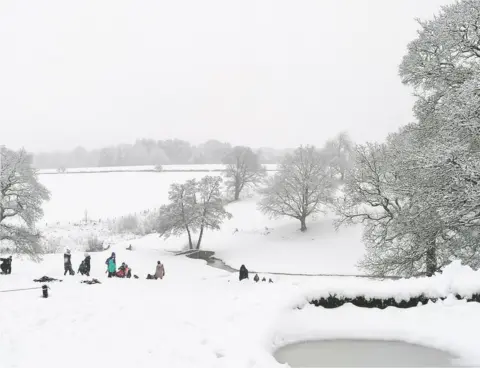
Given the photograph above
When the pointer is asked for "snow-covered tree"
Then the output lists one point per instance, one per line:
(339, 151)
(442, 66)
(243, 169)
(378, 194)
(21, 198)
(209, 205)
(418, 194)
(302, 184)
(194, 207)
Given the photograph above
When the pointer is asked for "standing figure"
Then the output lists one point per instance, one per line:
(243, 273)
(6, 266)
(159, 271)
(111, 265)
(67, 263)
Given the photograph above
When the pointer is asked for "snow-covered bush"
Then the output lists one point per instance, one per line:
(128, 224)
(52, 245)
(94, 244)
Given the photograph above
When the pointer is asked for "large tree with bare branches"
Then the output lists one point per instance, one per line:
(301, 186)
(243, 169)
(21, 198)
(194, 207)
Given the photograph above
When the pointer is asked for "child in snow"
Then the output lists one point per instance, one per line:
(6, 266)
(111, 265)
(124, 271)
(67, 263)
(84, 268)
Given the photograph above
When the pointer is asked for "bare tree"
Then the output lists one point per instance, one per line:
(340, 152)
(243, 170)
(194, 207)
(210, 210)
(179, 216)
(301, 186)
(21, 198)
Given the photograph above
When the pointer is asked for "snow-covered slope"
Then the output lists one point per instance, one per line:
(196, 317)
(249, 238)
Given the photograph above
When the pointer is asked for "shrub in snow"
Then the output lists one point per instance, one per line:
(52, 245)
(128, 224)
(94, 244)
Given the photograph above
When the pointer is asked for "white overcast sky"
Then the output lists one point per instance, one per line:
(256, 72)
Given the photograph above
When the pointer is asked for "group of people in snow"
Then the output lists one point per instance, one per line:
(124, 271)
(83, 269)
(243, 275)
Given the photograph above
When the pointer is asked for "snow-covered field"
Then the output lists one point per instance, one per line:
(199, 316)
(209, 167)
(107, 195)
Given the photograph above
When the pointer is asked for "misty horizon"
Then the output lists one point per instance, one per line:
(271, 73)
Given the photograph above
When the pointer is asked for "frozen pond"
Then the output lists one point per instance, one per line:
(362, 353)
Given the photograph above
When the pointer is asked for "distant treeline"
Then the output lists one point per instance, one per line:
(147, 152)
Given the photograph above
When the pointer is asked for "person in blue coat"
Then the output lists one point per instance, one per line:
(111, 265)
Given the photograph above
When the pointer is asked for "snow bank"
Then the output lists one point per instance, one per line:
(455, 279)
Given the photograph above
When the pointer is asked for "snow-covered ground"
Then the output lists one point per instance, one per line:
(200, 317)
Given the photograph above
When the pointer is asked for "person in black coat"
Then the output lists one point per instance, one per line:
(243, 273)
(84, 268)
(67, 263)
(6, 266)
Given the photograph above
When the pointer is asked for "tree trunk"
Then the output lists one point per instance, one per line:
(303, 223)
(190, 244)
(237, 193)
(200, 236)
(431, 258)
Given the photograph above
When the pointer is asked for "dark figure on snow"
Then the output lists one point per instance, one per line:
(111, 265)
(6, 266)
(67, 263)
(84, 268)
(243, 273)
(256, 278)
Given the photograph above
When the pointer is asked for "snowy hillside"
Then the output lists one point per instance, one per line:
(249, 237)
